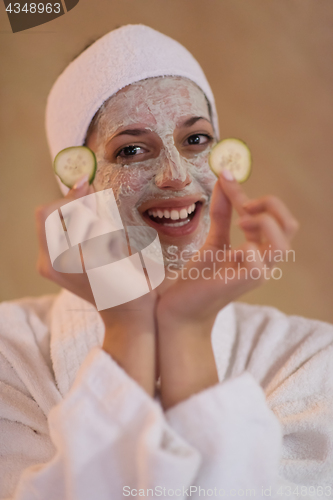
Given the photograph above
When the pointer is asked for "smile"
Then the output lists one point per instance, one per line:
(174, 220)
(161, 216)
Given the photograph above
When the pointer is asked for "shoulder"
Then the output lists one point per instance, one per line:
(26, 307)
(22, 310)
(251, 317)
(270, 344)
(26, 321)
(25, 362)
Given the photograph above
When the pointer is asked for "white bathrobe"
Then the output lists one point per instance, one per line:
(74, 426)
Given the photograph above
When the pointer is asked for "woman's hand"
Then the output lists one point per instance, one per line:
(76, 283)
(187, 309)
(129, 328)
(211, 280)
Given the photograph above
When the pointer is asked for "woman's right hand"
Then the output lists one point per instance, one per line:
(76, 283)
(129, 328)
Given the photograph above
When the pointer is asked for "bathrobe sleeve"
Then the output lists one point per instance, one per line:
(250, 451)
(101, 436)
(108, 435)
(238, 436)
(291, 357)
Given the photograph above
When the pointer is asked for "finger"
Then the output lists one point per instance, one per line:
(233, 191)
(220, 218)
(268, 228)
(252, 232)
(278, 209)
(80, 188)
(248, 272)
(255, 270)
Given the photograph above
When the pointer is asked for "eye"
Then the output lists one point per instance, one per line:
(131, 151)
(198, 139)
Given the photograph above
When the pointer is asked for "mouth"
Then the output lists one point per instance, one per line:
(175, 219)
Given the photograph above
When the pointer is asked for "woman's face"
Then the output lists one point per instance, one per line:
(152, 141)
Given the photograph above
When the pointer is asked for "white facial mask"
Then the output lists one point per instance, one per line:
(157, 104)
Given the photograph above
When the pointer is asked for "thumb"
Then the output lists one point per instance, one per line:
(80, 188)
(220, 215)
(69, 212)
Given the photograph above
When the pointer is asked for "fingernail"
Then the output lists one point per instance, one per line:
(228, 175)
(81, 182)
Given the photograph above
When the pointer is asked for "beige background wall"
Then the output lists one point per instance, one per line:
(270, 65)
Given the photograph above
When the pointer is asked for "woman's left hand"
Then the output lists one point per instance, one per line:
(187, 309)
(201, 291)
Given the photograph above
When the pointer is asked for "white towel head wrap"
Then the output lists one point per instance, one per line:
(123, 56)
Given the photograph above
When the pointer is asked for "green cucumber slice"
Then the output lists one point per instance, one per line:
(234, 155)
(71, 164)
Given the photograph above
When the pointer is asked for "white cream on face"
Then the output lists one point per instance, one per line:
(157, 105)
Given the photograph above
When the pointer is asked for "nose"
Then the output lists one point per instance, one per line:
(173, 174)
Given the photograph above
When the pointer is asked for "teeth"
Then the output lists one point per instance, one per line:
(178, 224)
(174, 214)
(191, 208)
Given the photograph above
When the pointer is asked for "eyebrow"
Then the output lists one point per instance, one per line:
(141, 131)
(191, 121)
(133, 131)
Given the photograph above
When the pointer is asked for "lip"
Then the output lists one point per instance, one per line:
(189, 228)
(181, 202)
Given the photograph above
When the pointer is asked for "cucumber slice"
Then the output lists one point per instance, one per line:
(71, 164)
(234, 155)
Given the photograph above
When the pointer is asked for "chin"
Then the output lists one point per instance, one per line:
(177, 252)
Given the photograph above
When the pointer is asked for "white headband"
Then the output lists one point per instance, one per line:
(123, 56)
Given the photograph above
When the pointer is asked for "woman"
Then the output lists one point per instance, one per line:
(80, 414)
